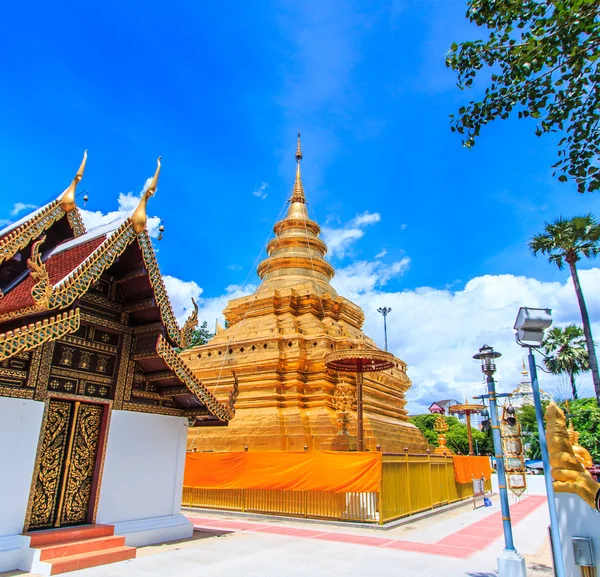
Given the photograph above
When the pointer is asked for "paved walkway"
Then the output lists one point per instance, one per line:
(456, 543)
(461, 545)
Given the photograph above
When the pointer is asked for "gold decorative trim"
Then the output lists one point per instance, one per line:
(105, 323)
(156, 327)
(174, 362)
(14, 373)
(91, 344)
(41, 388)
(21, 236)
(147, 395)
(76, 223)
(154, 409)
(122, 371)
(33, 335)
(72, 374)
(101, 300)
(34, 367)
(160, 291)
(16, 392)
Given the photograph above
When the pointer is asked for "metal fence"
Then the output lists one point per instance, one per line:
(409, 484)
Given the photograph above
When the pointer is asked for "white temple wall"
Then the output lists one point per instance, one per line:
(20, 423)
(143, 478)
(576, 519)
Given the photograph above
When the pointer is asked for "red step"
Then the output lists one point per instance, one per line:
(90, 559)
(68, 534)
(63, 550)
(77, 547)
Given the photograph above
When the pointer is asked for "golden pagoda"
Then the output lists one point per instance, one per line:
(274, 350)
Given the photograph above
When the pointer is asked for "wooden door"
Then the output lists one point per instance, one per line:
(68, 458)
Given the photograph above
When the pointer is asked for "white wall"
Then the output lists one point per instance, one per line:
(20, 423)
(143, 470)
(576, 519)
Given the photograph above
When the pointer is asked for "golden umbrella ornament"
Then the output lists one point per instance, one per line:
(358, 361)
(467, 409)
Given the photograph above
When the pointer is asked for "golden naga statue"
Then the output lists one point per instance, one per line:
(568, 473)
(581, 453)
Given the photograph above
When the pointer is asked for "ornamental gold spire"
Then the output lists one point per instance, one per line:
(298, 194)
(139, 216)
(67, 198)
(296, 254)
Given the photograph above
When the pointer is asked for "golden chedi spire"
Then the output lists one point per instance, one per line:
(296, 254)
(67, 198)
(139, 216)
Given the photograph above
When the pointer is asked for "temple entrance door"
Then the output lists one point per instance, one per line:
(67, 465)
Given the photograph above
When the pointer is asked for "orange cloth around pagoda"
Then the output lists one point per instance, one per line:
(468, 468)
(331, 471)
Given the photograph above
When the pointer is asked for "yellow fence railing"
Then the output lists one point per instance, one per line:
(409, 484)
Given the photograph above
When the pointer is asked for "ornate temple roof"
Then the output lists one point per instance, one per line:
(44, 271)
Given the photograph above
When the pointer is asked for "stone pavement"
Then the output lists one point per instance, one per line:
(461, 542)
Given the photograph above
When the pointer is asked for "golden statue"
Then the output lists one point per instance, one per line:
(441, 427)
(581, 453)
(567, 471)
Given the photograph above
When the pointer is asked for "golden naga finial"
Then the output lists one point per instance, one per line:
(42, 288)
(187, 332)
(67, 199)
(298, 194)
(139, 216)
(567, 471)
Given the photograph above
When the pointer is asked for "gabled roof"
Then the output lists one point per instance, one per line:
(56, 279)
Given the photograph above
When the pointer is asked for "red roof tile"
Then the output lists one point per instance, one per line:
(58, 267)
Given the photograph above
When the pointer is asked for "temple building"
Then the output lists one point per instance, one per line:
(95, 400)
(274, 350)
(523, 394)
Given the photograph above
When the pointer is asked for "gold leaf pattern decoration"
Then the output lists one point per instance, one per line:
(51, 462)
(187, 332)
(80, 474)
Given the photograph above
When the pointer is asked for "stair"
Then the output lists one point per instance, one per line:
(62, 550)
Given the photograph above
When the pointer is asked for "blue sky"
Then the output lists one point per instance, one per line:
(220, 89)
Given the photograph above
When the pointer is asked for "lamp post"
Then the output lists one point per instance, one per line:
(510, 562)
(384, 311)
(530, 326)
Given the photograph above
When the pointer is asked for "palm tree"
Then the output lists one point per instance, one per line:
(567, 240)
(566, 353)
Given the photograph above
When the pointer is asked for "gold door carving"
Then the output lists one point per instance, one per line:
(51, 465)
(79, 477)
(67, 465)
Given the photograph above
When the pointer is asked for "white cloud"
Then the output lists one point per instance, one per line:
(381, 254)
(127, 202)
(403, 226)
(260, 193)
(363, 276)
(20, 207)
(234, 267)
(339, 240)
(437, 331)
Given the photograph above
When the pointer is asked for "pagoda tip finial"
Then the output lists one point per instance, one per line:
(298, 193)
(139, 216)
(67, 198)
(298, 149)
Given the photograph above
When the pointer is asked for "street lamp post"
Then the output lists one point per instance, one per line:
(530, 326)
(510, 562)
(384, 311)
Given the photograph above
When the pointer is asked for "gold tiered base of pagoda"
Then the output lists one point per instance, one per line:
(294, 429)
